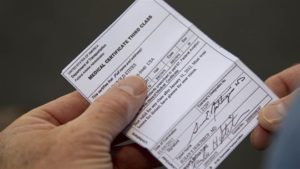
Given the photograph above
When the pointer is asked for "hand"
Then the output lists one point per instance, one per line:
(70, 133)
(285, 84)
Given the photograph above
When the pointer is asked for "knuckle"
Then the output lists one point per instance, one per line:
(84, 136)
(272, 78)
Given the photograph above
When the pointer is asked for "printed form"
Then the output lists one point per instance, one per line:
(202, 101)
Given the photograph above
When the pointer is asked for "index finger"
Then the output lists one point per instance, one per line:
(63, 109)
(285, 82)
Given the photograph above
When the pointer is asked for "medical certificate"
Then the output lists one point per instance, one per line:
(202, 100)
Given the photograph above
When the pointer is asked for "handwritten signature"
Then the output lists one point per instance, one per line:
(198, 158)
(225, 129)
(232, 122)
(225, 98)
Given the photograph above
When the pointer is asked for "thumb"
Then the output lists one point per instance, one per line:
(108, 115)
(272, 115)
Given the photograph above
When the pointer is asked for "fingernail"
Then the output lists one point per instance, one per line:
(274, 112)
(133, 85)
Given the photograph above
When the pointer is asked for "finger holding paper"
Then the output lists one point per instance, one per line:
(202, 100)
(286, 85)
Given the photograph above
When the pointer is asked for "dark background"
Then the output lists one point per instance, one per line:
(38, 38)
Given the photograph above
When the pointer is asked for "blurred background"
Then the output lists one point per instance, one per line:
(39, 37)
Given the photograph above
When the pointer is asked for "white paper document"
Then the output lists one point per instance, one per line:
(202, 101)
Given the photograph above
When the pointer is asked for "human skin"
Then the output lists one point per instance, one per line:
(70, 133)
(286, 86)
